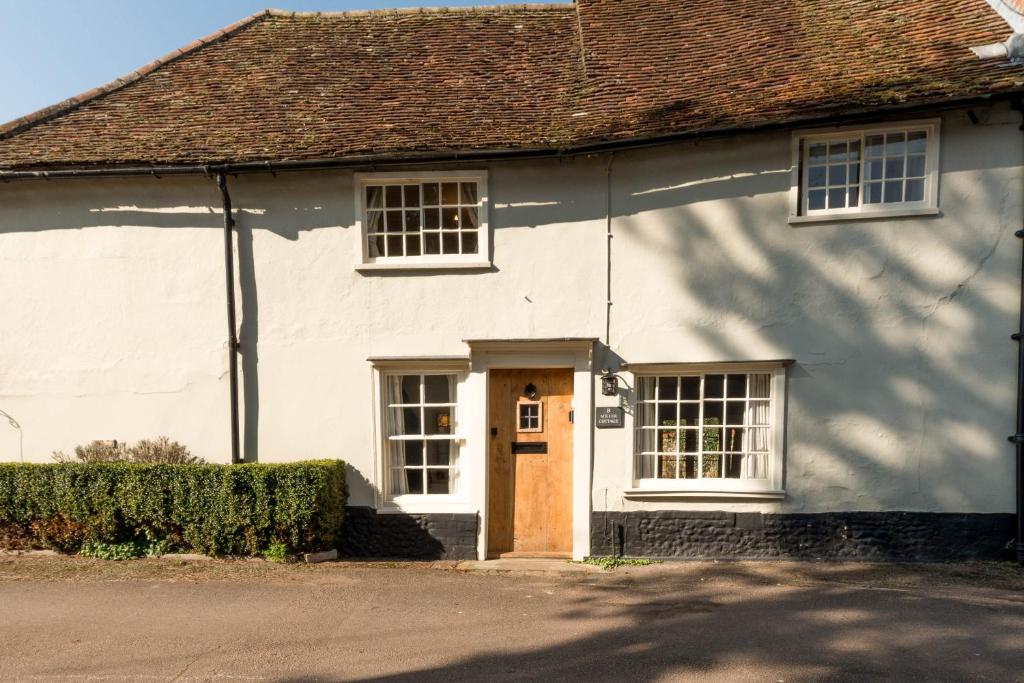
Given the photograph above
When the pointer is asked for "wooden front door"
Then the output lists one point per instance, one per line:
(530, 463)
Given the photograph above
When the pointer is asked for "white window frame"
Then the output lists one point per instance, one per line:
(481, 259)
(928, 206)
(457, 502)
(770, 487)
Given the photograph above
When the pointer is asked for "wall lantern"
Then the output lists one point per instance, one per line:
(530, 391)
(609, 383)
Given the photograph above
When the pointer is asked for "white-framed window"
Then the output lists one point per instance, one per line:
(420, 436)
(709, 428)
(879, 170)
(425, 220)
(530, 416)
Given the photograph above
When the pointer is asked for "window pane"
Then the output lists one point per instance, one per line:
(874, 193)
(668, 388)
(837, 175)
(816, 176)
(688, 467)
(712, 466)
(374, 221)
(449, 194)
(758, 439)
(915, 191)
(712, 438)
(438, 420)
(714, 386)
(409, 389)
(854, 196)
(690, 388)
(714, 412)
(470, 243)
(689, 414)
(737, 386)
(873, 170)
(668, 441)
(817, 152)
(893, 192)
(760, 411)
(376, 246)
(837, 152)
(668, 415)
(469, 219)
(414, 481)
(894, 168)
(735, 412)
(915, 166)
(894, 144)
(413, 451)
(690, 438)
(450, 243)
(439, 389)
(733, 466)
(374, 197)
(667, 466)
(412, 245)
(438, 481)
(431, 243)
(815, 200)
(733, 439)
(917, 142)
(837, 198)
(854, 173)
(439, 452)
(646, 414)
(760, 385)
(431, 219)
(394, 244)
(393, 196)
(450, 219)
(394, 221)
(469, 194)
(412, 220)
(875, 145)
(855, 150)
(645, 388)
(431, 194)
(404, 422)
(412, 195)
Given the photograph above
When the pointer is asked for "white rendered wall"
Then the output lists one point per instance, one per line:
(902, 395)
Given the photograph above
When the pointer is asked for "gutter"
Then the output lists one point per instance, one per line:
(478, 156)
(229, 276)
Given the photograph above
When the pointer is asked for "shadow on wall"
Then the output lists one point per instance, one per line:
(900, 329)
(904, 389)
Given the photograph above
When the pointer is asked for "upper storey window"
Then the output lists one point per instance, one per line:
(876, 171)
(425, 220)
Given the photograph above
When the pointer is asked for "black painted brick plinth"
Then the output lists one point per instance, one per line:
(884, 536)
(435, 536)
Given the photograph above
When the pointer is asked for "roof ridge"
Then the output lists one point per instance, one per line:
(54, 110)
(563, 6)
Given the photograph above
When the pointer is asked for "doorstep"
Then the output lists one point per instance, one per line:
(522, 564)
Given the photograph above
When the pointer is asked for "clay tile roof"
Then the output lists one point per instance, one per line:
(285, 86)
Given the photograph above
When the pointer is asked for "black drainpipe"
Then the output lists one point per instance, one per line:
(1018, 438)
(229, 274)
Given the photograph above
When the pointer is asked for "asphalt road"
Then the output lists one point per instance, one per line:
(81, 620)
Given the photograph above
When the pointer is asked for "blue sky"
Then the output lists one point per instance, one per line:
(58, 48)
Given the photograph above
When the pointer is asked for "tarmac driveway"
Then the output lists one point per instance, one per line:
(78, 619)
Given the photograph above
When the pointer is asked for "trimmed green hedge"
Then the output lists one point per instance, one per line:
(213, 509)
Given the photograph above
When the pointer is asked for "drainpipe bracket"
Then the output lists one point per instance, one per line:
(1015, 438)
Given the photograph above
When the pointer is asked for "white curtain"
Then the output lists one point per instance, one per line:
(755, 464)
(394, 424)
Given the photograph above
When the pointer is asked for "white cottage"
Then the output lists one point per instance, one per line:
(655, 278)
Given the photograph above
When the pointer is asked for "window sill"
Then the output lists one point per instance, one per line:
(861, 216)
(425, 265)
(422, 505)
(697, 493)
